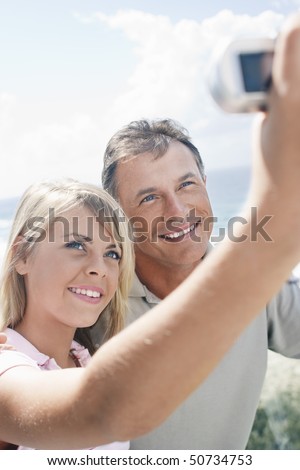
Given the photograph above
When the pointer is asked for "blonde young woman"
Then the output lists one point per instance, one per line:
(138, 377)
(69, 263)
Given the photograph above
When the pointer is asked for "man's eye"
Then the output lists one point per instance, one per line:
(186, 183)
(113, 254)
(148, 198)
(75, 245)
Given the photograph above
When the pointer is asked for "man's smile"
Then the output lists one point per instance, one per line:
(180, 234)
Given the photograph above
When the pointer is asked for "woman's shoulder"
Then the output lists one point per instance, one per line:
(23, 354)
(11, 358)
(26, 352)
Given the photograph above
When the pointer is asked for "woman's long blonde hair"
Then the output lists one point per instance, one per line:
(33, 218)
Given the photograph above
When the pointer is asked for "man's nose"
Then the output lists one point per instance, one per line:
(174, 207)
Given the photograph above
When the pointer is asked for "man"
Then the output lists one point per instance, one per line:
(157, 175)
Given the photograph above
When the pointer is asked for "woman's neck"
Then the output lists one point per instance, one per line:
(50, 339)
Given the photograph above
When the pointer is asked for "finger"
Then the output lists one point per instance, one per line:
(3, 338)
(6, 347)
(3, 343)
(286, 65)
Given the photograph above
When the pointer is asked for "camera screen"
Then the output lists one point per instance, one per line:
(256, 71)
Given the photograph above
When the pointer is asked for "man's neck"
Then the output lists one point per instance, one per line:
(161, 279)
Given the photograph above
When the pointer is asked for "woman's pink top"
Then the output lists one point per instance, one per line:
(27, 355)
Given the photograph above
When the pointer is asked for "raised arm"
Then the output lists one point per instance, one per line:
(139, 377)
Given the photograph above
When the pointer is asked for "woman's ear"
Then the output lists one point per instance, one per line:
(21, 265)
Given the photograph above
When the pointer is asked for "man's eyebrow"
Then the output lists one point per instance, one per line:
(152, 189)
(190, 174)
(142, 192)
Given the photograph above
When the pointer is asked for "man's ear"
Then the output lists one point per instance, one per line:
(205, 179)
(21, 265)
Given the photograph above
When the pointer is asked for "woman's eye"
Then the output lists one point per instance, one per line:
(113, 254)
(75, 245)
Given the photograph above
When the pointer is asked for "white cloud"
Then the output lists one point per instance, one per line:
(170, 76)
(167, 81)
(7, 105)
(71, 148)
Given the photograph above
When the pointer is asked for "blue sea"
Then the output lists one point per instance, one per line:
(227, 189)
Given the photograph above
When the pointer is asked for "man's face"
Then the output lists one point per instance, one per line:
(167, 202)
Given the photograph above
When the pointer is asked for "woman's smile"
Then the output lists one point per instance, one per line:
(90, 294)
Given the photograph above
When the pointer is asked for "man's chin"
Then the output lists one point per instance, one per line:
(185, 253)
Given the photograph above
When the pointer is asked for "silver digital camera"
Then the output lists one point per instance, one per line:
(240, 75)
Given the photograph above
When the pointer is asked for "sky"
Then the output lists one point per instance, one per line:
(72, 72)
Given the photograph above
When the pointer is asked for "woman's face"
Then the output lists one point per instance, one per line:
(73, 273)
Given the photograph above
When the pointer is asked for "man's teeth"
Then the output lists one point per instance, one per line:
(87, 292)
(179, 234)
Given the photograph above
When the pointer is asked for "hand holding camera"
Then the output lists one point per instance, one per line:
(240, 75)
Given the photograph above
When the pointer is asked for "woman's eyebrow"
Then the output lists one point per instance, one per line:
(114, 246)
(77, 236)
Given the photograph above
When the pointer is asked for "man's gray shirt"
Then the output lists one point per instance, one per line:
(220, 413)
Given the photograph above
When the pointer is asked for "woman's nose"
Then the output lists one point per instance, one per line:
(96, 267)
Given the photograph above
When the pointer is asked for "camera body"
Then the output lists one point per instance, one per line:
(240, 75)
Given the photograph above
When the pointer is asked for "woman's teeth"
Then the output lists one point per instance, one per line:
(87, 292)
